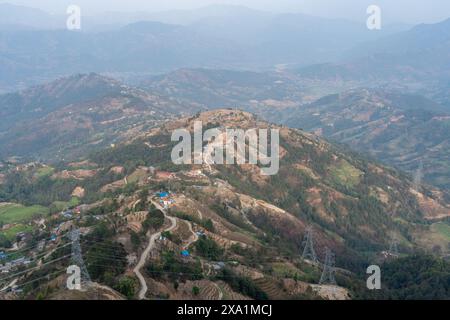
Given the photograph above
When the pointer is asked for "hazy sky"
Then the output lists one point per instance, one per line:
(408, 11)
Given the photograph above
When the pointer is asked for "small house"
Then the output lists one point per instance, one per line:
(163, 195)
(185, 253)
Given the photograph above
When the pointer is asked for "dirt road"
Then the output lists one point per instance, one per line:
(150, 246)
(194, 236)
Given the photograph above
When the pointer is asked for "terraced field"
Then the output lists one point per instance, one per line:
(285, 269)
(210, 292)
(272, 288)
(229, 294)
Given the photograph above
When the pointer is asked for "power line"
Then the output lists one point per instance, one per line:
(44, 277)
(37, 267)
(118, 258)
(23, 249)
(43, 254)
(77, 257)
(393, 246)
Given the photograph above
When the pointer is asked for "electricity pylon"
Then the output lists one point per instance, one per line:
(393, 246)
(328, 269)
(77, 257)
(418, 176)
(308, 249)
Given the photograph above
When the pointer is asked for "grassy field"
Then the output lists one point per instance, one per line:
(346, 174)
(285, 270)
(62, 205)
(44, 171)
(10, 234)
(437, 235)
(443, 229)
(15, 213)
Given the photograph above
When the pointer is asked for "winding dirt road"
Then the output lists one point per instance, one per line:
(150, 246)
(194, 236)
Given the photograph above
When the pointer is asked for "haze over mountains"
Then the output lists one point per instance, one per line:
(417, 60)
(215, 37)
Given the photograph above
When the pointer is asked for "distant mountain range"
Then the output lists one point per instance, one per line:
(417, 60)
(215, 37)
(20, 17)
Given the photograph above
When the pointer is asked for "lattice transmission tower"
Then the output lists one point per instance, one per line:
(308, 246)
(418, 176)
(328, 268)
(77, 258)
(393, 246)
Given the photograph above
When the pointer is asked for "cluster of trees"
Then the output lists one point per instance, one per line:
(106, 259)
(222, 210)
(173, 268)
(18, 187)
(208, 248)
(154, 220)
(126, 286)
(4, 241)
(205, 223)
(135, 239)
(93, 184)
(415, 277)
(108, 206)
(135, 154)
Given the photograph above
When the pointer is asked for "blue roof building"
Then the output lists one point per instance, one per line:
(185, 253)
(163, 194)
